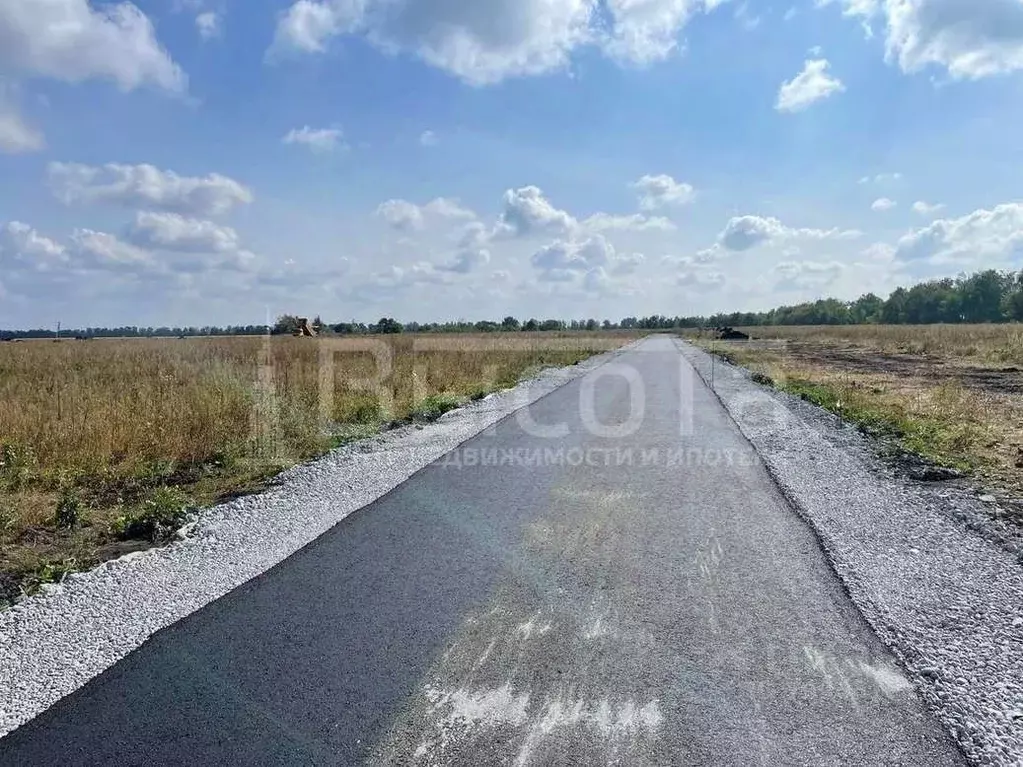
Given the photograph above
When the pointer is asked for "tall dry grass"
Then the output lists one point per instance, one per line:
(88, 406)
(92, 434)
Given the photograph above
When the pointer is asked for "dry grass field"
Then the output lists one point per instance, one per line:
(106, 445)
(994, 345)
(952, 393)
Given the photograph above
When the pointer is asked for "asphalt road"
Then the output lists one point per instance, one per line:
(585, 605)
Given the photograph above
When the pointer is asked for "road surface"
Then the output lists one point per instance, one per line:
(594, 598)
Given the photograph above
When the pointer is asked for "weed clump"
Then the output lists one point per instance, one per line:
(16, 466)
(69, 511)
(52, 572)
(434, 406)
(158, 518)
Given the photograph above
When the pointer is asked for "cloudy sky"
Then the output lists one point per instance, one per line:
(213, 161)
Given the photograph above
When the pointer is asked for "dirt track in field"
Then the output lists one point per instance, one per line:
(1006, 380)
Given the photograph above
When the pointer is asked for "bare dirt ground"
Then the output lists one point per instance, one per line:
(955, 392)
(858, 360)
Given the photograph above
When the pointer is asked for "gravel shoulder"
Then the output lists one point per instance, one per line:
(57, 641)
(941, 586)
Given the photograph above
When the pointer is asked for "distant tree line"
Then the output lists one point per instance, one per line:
(984, 297)
(133, 331)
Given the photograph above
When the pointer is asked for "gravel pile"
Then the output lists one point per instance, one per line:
(56, 642)
(943, 588)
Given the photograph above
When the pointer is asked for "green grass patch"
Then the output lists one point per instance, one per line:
(944, 438)
(50, 572)
(345, 434)
(157, 518)
(359, 408)
(434, 406)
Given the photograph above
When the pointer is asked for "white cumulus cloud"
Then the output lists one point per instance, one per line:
(809, 86)
(308, 24)
(970, 39)
(480, 42)
(105, 251)
(170, 231)
(20, 242)
(145, 186)
(161, 244)
(467, 260)
(883, 205)
(881, 178)
(17, 136)
(590, 261)
(527, 211)
(407, 216)
(446, 207)
(401, 214)
(984, 237)
(485, 41)
(746, 232)
(662, 191)
(628, 263)
(644, 31)
(574, 255)
(927, 209)
(72, 40)
(320, 140)
(207, 24)
(635, 222)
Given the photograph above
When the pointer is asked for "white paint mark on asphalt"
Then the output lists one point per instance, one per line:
(596, 630)
(708, 558)
(833, 672)
(617, 725)
(458, 714)
(486, 654)
(532, 627)
(888, 678)
(487, 706)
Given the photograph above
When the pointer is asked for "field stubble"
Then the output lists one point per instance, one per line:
(106, 446)
(950, 393)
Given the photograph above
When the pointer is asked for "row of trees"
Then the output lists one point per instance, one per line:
(135, 331)
(987, 296)
(288, 324)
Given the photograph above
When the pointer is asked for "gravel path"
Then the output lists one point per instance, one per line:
(56, 642)
(930, 579)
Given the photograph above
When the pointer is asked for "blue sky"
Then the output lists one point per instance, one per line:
(213, 161)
